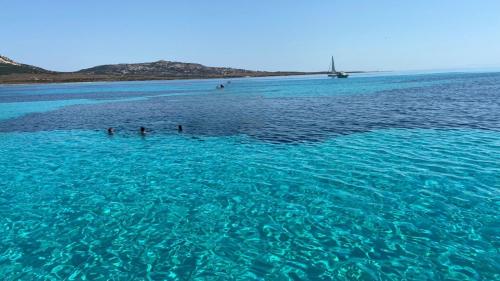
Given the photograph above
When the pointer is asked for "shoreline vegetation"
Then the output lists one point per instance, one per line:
(12, 72)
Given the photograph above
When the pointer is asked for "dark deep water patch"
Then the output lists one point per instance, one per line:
(469, 102)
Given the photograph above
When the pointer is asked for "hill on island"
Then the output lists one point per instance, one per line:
(8, 66)
(14, 72)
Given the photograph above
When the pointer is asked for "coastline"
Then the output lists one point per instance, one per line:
(60, 78)
(13, 73)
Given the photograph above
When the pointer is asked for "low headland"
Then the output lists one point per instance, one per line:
(12, 72)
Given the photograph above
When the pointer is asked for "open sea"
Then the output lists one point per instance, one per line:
(375, 177)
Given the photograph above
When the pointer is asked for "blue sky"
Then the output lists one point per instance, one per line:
(265, 35)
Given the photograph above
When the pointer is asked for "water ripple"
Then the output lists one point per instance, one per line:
(384, 205)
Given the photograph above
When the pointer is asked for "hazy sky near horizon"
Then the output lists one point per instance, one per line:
(262, 35)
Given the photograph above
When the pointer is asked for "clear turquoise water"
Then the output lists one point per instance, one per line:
(374, 178)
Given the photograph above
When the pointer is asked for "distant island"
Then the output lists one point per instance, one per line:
(12, 72)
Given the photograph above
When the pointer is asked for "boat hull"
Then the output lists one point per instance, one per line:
(338, 75)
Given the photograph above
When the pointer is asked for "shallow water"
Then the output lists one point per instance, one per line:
(369, 178)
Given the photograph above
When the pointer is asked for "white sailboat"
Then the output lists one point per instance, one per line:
(334, 74)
